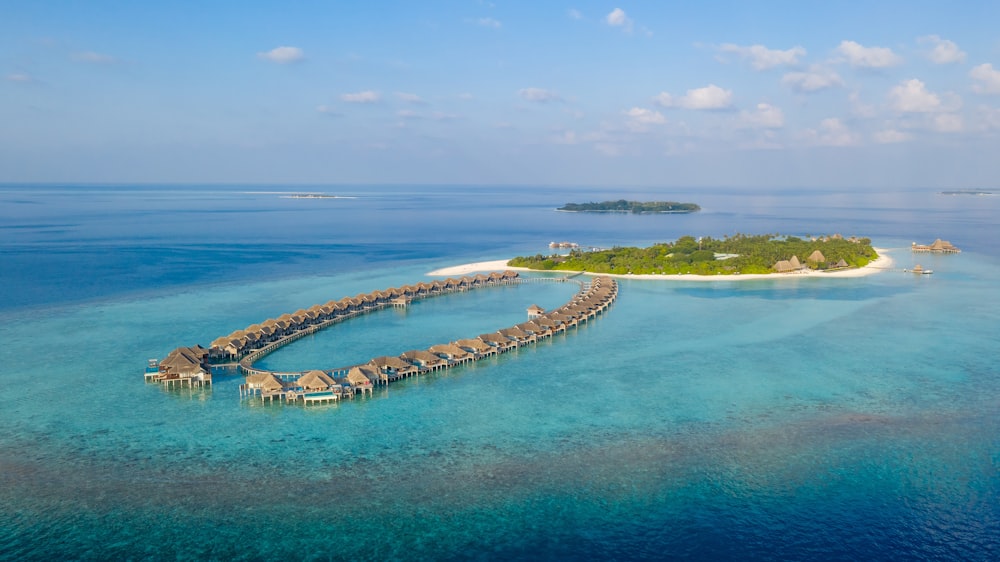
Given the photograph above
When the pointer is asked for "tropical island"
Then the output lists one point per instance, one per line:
(731, 255)
(635, 207)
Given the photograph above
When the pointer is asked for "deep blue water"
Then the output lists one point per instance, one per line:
(832, 419)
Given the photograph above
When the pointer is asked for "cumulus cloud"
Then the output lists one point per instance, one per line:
(987, 79)
(367, 96)
(574, 14)
(617, 18)
(762, 58)
(709, 97)
(539, 95)
(867, 57)
(282, 55)
(326, 110)
(890, 136)
(942, 51)
(765, 116)
(20, 77)
(832, 132)
(640, 118)
(93, 58)
(813, 80)
(912, 96)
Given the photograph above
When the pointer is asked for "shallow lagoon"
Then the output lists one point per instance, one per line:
(793, 418)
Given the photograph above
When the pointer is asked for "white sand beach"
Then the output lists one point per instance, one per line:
(882, 263)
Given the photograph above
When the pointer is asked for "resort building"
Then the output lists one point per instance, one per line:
(938, 247)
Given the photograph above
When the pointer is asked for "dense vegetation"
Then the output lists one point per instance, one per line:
(623, 206)
(736, 254)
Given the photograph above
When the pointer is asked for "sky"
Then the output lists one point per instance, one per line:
(653, 93)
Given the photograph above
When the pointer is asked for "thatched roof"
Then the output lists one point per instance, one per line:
(474, 343)
(389, 361)
(535, 309)
(816, 257)
(361, 375)
(315, 380)
(423, 356)
(449, 349)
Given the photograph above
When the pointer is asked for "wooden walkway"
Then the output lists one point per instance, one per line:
(591, 301)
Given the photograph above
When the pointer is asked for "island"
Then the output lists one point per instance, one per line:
(966, 192)
(731, 255)
(635, 207)
(310, 196)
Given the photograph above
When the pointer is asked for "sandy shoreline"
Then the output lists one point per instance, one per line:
(883, 262)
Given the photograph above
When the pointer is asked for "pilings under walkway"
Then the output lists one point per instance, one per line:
(592, 300)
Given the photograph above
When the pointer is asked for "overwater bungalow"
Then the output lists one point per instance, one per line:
(535, 311)
(499, 341)
(184, 365)
(394, 367)
(938, 247)
(425, 360)
(477, 347)
(518, 335)
(452, 353)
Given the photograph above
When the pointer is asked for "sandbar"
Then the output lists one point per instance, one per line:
(881, 263)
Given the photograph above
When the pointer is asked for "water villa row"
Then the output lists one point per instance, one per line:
(192, 366)
(938, 247)
(336, 384)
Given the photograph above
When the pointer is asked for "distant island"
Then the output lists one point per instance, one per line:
(635, 207)
(966, 192)
(310, 196)
(732, 255)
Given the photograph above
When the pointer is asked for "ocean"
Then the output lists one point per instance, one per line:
(793, 418)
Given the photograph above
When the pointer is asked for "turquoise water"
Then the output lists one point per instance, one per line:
(791, 418)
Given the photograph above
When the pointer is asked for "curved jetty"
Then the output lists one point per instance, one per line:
(245, 347)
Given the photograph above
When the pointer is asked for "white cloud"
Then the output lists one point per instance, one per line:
(648, 116)
(815, 79)
(832, 132)
(538, 95)
(617, 18)
(942, 51)
(766, 116)
(367, 96)
(20, 77)
(489, 22)
(867, 57)
(93, 58)
(574, 14)
(987, 79)
(640, 118)
(912, 96)
(410, 98)
(762, 58)
(948, 123)
(282, 55)
(890, 136)
(709, 97)
(326, 110)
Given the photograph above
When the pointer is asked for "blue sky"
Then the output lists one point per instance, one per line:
(808, 94)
